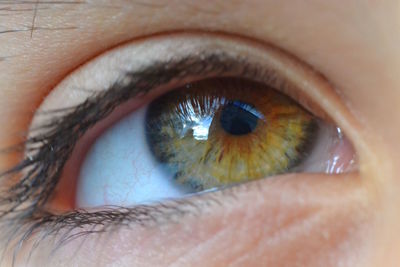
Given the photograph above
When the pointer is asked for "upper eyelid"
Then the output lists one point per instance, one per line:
(318, 88)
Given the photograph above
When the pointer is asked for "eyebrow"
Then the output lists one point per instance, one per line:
(11, 8)
(18, 2)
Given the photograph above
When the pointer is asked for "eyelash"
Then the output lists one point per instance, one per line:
(53, 143)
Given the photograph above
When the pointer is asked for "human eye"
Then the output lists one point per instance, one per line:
(161, 120)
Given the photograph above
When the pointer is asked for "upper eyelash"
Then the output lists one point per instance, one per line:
(51, 147)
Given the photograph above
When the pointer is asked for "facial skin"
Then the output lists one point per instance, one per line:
(295, 220)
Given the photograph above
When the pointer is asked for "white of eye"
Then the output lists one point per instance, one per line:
(119, 169)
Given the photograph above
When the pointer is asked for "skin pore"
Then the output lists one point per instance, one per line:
(296, 220)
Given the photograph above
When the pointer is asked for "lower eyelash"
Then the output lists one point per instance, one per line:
(65, 228)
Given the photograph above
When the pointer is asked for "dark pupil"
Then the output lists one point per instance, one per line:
(237, 120)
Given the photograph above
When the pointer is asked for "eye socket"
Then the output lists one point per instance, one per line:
(294, 138)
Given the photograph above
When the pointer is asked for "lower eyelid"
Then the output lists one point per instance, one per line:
(293, 209)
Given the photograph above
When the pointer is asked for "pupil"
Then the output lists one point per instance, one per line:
(237, 118)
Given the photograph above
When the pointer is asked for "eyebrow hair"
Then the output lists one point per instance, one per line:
(19, 2)
(34, 17)
(9, 7)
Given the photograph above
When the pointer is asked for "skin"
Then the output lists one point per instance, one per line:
(294, 220)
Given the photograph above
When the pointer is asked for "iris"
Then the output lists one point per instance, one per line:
(222, 131)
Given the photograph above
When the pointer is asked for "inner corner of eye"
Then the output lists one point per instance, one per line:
(203, 135)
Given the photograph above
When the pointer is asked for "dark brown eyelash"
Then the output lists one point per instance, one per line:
(62, 227)
(50, 148)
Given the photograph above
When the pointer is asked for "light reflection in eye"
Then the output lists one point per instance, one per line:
(175, 147)
(200, 128)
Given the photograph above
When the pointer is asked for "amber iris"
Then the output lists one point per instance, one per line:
(222, 131)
